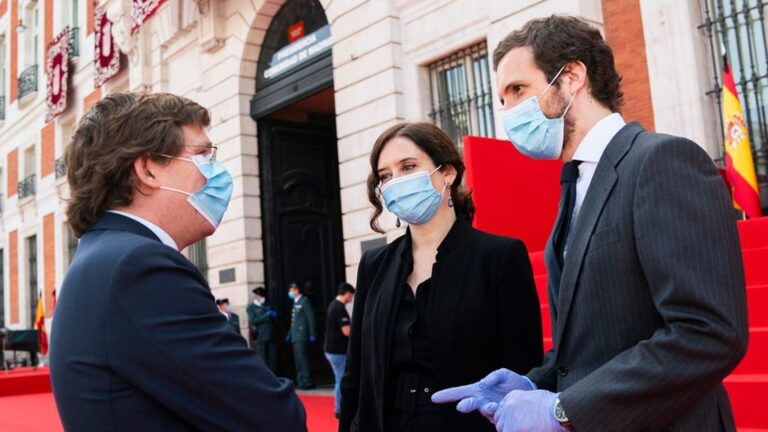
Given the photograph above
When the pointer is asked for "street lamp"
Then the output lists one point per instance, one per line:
(20, 27)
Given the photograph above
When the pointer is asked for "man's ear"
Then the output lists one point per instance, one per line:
(144, 169)
(576, 75)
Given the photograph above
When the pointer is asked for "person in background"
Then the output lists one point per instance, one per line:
(260, 318)
(138, 343)
(301, 332)
(646, 283)
(232, 318)
(438, 305)
(337, 337)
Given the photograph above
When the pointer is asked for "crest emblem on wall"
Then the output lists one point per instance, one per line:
(58, 75)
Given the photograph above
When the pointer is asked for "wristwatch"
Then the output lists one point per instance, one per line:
(560, 416)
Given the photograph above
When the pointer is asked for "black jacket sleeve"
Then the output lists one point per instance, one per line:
(170, 341)
(350, 383)
(519, 309)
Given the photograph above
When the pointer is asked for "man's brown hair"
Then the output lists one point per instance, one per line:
(557, 40)
(116, 131)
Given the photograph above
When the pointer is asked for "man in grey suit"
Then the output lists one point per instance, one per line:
(646, 285)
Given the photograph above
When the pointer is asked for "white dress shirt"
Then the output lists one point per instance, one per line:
(156, 230)
(589, 152)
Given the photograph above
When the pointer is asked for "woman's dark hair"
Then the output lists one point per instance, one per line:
(443, 152)
(557, 40)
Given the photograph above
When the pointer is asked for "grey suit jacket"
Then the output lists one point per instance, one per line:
(651, 312)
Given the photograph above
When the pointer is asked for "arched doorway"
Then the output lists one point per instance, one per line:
(299, 174)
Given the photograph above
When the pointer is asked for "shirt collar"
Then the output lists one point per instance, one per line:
(156, 230)
(297, 298)
(597, 139)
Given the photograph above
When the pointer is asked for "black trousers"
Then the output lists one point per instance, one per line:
(268, 352)
(301, 361)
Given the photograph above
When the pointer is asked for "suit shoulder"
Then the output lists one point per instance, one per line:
(372, 257)
(495, 242)
(652, 143)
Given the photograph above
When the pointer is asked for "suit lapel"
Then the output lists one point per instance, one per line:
(600, 188)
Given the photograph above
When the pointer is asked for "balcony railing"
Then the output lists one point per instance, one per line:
(2, 108)
(61, 169)
(27, 187)
(74, 42)
(28, 81)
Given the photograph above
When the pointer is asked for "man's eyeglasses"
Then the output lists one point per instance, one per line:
(211, 156)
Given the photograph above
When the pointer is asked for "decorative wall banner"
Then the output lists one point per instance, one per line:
(58, 75)
(107, 57)
(142, 10)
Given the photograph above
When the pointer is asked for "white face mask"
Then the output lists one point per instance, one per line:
(531, 132)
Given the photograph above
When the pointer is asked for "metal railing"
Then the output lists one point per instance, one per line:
(460, 86)
(74, 42)
(738, 26)
(28, 81)
(61, 169)
(2, 107)
(27, 187)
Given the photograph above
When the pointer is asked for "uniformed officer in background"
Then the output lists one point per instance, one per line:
(302, 331)
(226, 309)
(260, 319)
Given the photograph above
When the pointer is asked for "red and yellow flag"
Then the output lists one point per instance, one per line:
(42, 337)
(740, 168)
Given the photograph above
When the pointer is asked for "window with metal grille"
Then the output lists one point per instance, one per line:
(739, 28)
(32, 278)
(72, 243)
(198, 254)
(460, 85)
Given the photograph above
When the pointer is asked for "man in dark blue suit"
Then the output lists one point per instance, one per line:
(144, 184)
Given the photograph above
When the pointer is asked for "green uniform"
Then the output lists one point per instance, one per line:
(234, 321)
(302, 329)
(261, 328)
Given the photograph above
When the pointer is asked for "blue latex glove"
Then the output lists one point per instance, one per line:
(527, 411)
(271, 313)
(287, 338)
(484, 395)
(312, 338)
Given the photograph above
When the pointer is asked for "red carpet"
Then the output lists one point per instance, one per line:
(27, 405)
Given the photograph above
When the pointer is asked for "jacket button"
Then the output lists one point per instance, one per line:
(562, 371)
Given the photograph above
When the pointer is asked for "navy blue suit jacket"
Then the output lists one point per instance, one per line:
(137, 343)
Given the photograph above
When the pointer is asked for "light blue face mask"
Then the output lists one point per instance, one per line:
(412, 198)
(531, 132)
(212, 199)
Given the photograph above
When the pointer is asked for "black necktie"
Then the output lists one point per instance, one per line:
(568, 177)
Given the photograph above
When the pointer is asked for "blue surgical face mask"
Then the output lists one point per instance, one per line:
(291, 296)
(412, 198)
(212, 199)
(531, 132)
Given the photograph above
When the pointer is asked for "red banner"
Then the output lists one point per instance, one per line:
(106, 56)
(142, 10)
(58, 74)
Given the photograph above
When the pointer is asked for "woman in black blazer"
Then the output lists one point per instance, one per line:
(440, 306)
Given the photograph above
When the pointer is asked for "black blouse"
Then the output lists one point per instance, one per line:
(410, 339)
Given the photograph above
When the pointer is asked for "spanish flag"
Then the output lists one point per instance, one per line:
(740, 168)
(42, 337)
